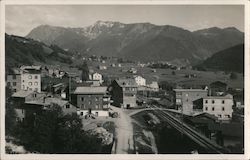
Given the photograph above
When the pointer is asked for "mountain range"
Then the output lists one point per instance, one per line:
(139, 41)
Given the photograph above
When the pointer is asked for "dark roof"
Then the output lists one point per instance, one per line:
(207, 115)
(126, 82)
(218, 83)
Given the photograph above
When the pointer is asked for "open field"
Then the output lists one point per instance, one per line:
(203, 77)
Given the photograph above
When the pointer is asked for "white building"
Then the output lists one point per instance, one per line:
(154, 86)
(101, 67)
(220, 106)
(96, 77)
(30, 78)
(140, 81)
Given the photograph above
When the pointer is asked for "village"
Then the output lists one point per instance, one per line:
(114, 91)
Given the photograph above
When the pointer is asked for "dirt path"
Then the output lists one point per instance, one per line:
(124, 133)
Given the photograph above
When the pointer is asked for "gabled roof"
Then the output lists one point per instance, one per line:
(204, 114)
(58, 101)
(218, 83)
(22, 94)
(126, 82)
(47, 101)
(90, 90)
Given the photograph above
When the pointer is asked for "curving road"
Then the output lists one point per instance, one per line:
(124, 133)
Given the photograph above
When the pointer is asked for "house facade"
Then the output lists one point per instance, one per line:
(92, 100)
(20, 98)
(31, 80)
(219, 106)
(186, 99)
(124, 92)
(140, 81)
(153, 86)
(28, 78)
(30, 102)
(96, 77)
(14, 82)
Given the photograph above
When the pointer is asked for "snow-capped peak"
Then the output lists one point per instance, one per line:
(104, 23)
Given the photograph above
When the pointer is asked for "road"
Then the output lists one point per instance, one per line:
(124, 133)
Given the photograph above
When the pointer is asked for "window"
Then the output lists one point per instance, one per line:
(23, 80)
(14, 76)
(223, 102)
(67, 106)
(8, 84)
(30, 83)
(82, 98)
(22, 111)
(36, 83)
(14, 83)
(206, 108)
(213, 101)
(36, 77)
(206, 101)
(223, 108)
(212, 108)
(34, 95)
(30, 76)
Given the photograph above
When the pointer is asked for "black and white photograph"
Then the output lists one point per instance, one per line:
(127, 79)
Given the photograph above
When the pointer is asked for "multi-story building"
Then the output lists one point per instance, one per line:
(140, 81)
(30, 102)
(27, 78)
(31, 78)
(124, 92)
(153, 86)
(187, 100)
(219, 106)
(92, 100)
(14, 82)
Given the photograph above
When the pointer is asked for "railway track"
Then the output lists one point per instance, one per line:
(190, 132)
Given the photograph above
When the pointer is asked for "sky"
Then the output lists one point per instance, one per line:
(21, 19)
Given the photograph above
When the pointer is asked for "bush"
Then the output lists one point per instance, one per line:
(52, 132)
